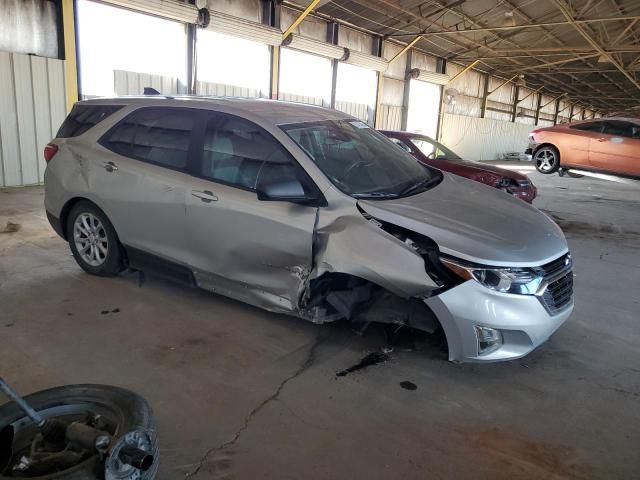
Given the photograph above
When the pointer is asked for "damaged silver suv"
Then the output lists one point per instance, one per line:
(305, 211)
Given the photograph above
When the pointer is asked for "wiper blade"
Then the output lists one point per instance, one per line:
(415, 187)
(374, 195)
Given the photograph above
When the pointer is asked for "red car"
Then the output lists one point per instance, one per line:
(436, 155)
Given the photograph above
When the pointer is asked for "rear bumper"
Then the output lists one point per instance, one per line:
(56, 224)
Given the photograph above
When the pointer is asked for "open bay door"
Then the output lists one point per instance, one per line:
(425, 93)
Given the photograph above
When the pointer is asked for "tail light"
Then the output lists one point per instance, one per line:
(49, 151)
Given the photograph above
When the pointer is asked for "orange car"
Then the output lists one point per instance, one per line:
(605, 145)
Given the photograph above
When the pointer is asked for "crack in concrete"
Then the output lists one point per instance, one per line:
(308, 362)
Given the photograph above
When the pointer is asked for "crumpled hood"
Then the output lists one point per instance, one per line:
(476, 223)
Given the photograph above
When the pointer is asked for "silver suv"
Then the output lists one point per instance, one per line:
(305, 211)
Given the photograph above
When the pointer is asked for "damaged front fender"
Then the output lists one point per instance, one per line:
(354, 245)
(365, 272)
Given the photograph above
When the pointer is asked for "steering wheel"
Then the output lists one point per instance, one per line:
(432, 155)
(353, 166)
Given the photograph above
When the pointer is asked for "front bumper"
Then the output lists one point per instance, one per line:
(522, 319)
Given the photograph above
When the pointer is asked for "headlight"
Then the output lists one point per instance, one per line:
(524, 281)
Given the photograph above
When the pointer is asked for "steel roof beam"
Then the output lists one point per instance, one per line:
(568, 15)
(519, 27)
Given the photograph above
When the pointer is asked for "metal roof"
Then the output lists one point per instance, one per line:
(588, 49)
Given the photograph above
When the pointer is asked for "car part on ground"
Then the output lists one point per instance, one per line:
(77, 432)
(301, 210)
(520, 156)
(609, 146)
(436, 155)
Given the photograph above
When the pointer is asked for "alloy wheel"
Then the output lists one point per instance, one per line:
(90, 238)
(546, 160)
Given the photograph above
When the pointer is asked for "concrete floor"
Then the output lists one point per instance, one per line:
(245, 394)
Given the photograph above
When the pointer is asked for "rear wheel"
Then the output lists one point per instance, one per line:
(547, 159)
(93, 240)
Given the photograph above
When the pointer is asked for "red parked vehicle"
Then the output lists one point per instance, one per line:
(434, 154)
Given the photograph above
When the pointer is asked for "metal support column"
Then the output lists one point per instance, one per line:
(485, 95)
(555, 115)
(377, 51)
(271, 16)
(192, 75)
(70, 56)
(538, 107)
(516, 101)
(441, 67)
(332, 37)
(406, 92)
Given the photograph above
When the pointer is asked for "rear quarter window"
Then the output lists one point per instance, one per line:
(588, 127)
(83, 118)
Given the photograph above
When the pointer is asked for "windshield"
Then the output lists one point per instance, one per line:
(360, 161)
(433, 149)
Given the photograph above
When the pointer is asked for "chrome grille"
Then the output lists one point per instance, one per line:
(557, 292)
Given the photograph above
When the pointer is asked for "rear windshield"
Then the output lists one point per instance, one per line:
(84, 117)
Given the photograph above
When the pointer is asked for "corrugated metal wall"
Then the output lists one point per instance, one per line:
(133, 83)
(483, 138)
(222, 90)
(292, 97)
(390, 117)
(359, 110)
(32, 107)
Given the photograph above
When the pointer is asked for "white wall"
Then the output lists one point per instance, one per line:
(32, 107)
(483, 138)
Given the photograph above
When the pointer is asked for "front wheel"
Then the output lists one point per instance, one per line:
(93, 240)
(547, 159)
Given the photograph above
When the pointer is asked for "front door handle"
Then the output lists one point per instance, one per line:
(204, 195)
(110, 166)
(602, 139)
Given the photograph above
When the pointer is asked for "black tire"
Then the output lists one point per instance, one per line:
(113, 262)
(129, 410)
(547, 159)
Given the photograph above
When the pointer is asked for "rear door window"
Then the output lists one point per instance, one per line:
(161, 136)
(83, 118)
(620, 128)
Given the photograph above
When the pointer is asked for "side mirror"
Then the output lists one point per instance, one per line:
(279, 183)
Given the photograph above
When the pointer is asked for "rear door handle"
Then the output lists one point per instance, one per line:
(110, 166)
(204, 195)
